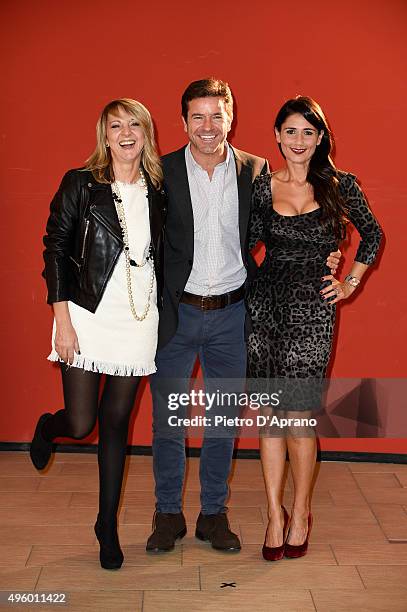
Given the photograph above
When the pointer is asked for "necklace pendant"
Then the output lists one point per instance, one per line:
(133, 263)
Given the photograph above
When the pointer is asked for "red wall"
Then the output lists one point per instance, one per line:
(64, 60)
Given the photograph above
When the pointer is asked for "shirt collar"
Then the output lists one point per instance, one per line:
(195, 163)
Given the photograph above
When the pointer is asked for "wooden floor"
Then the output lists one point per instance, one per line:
(357, 558)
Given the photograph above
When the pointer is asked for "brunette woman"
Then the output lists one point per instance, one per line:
(300, 212)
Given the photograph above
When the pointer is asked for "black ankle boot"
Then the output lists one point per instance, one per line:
(40, 449)
(111, 555)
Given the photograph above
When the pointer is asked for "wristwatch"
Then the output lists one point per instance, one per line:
(352, 280)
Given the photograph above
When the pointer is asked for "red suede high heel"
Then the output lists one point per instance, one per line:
(275, 553)
(293, 552)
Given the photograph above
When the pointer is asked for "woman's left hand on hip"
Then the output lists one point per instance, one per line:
(336, 290)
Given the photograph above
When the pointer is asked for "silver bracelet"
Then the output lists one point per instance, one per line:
(352, 280)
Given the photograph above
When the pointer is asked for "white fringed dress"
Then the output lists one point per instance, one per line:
(111, 341)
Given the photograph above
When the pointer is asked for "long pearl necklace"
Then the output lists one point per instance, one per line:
(128, 260)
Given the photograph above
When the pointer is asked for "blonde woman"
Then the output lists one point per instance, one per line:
(103, 271)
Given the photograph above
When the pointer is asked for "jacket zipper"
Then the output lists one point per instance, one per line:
(103, 222)
(84, 238)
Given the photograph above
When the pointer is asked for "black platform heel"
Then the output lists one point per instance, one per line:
(111, 555)
(40, 449)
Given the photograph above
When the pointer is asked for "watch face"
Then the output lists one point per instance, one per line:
(352, 281)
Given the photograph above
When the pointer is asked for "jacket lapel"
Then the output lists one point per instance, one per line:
(103, 208)
(176, 179)
(244, 189)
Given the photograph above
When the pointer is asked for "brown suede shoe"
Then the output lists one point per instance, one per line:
(166, 529)
(214, 528)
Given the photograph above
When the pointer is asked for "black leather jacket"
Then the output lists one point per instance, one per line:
(83, 239)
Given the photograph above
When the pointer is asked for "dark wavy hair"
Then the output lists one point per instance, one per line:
(322, 173)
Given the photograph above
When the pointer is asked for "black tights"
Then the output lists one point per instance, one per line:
(77, 420)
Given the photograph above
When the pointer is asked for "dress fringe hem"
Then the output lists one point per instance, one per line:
(102, 367)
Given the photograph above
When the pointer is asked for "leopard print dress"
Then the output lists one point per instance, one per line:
(292, 325)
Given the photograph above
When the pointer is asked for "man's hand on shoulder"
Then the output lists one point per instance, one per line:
(333, 260)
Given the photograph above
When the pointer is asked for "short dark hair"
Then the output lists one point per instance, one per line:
(204, 88)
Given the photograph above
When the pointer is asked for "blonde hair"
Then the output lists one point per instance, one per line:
(100, 162)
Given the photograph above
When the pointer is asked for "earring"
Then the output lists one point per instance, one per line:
(107, 145)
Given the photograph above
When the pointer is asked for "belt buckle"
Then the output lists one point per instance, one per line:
(203, 298)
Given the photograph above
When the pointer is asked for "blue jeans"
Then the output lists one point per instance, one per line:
(217, 337)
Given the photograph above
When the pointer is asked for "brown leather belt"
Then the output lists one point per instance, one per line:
(212, 302)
